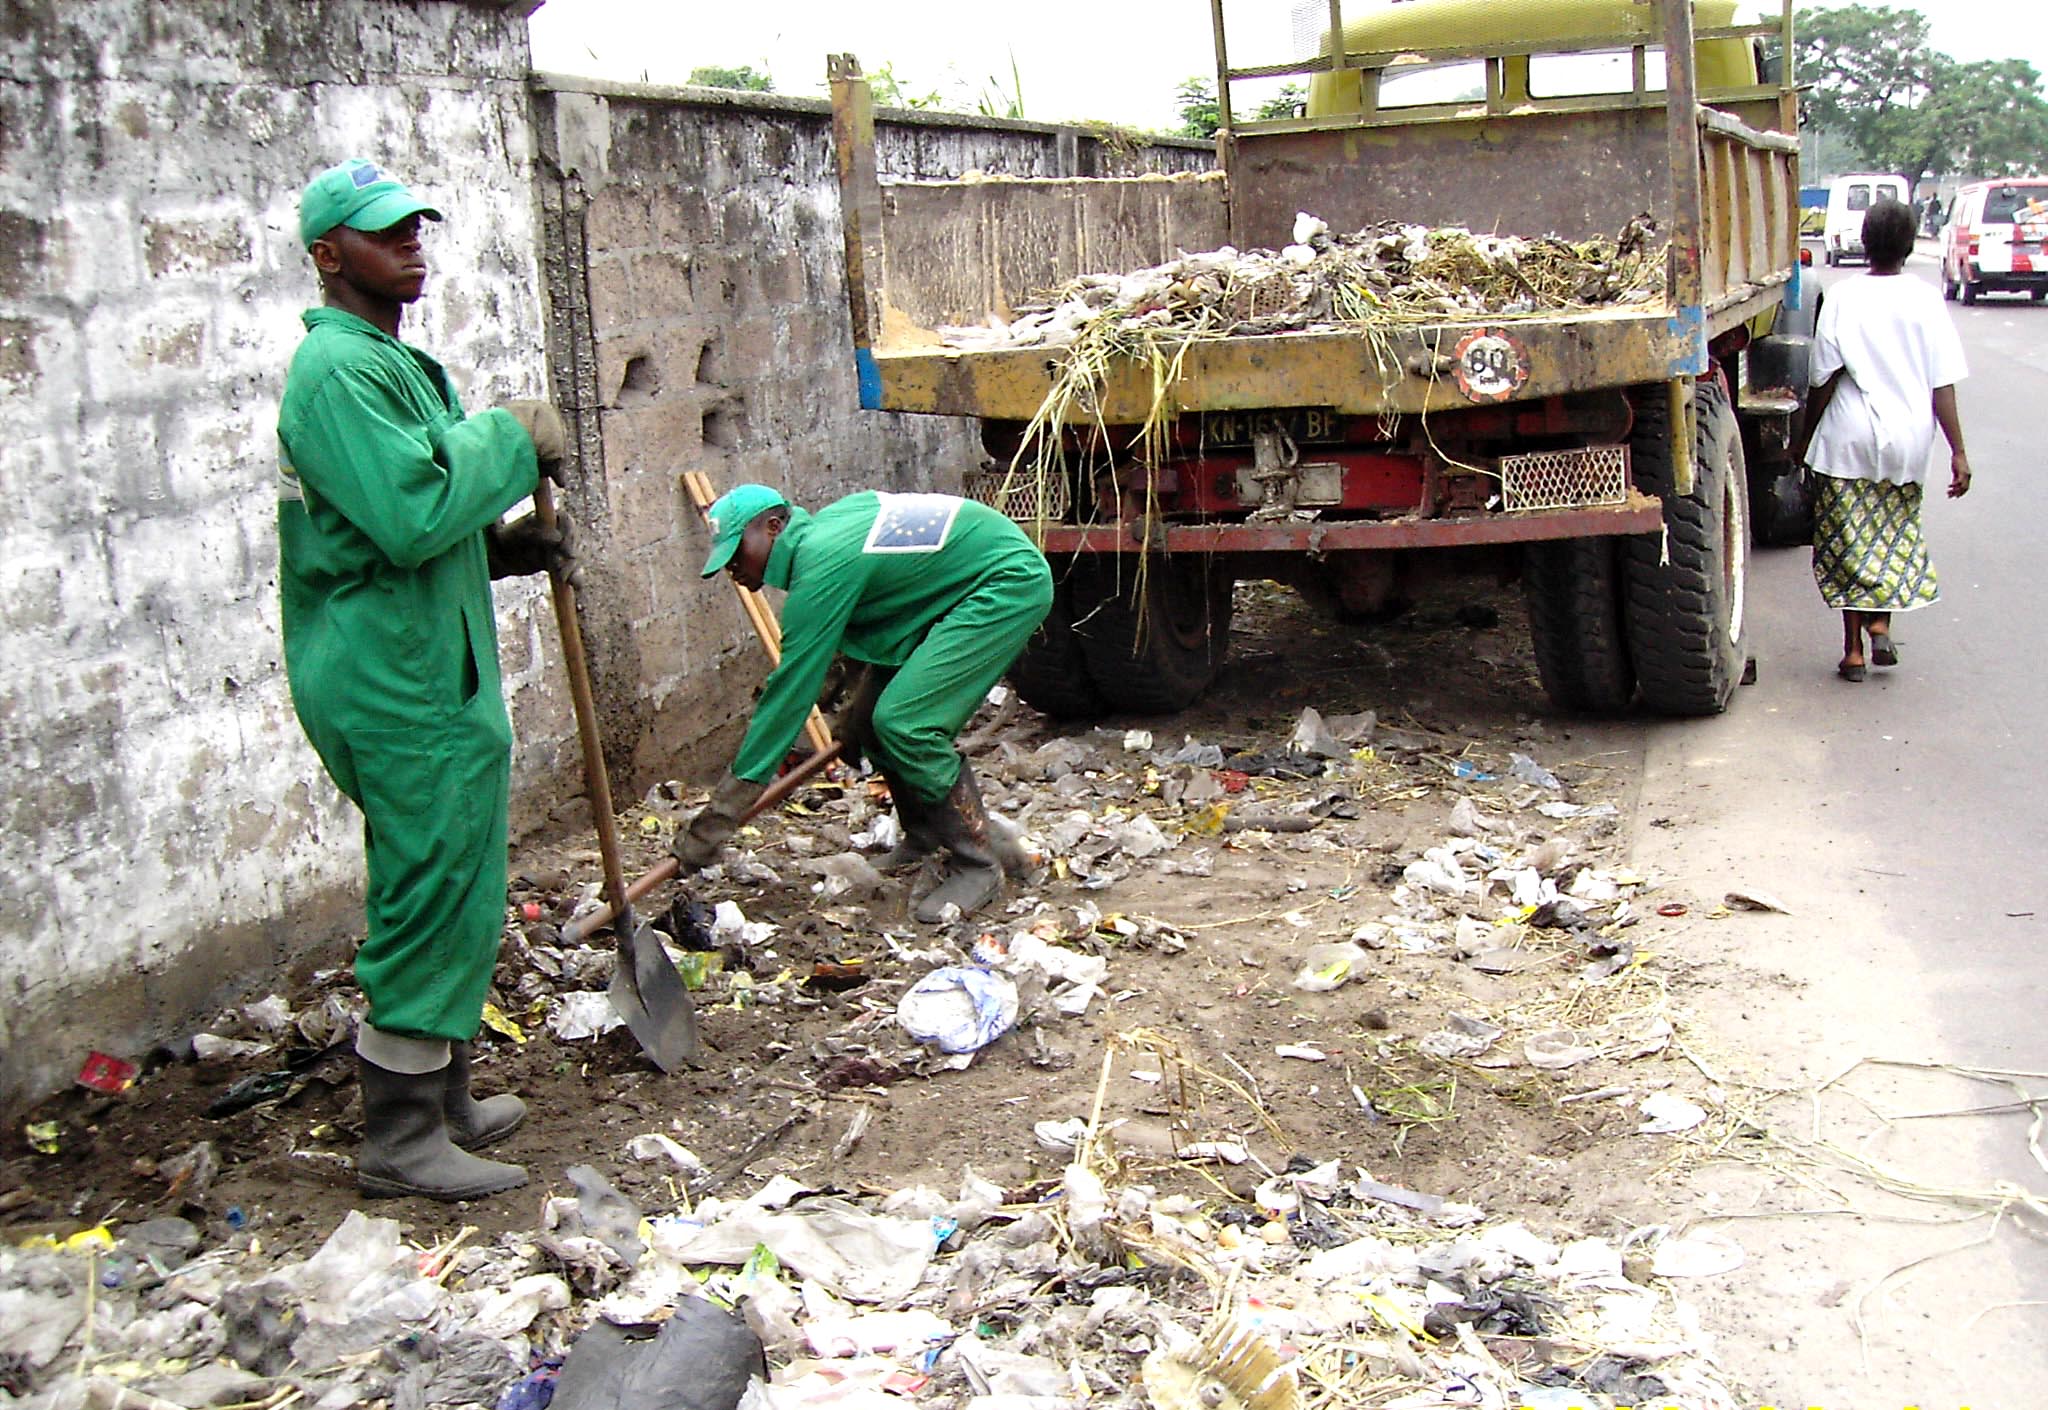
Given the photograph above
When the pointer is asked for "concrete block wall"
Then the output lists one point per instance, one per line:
(697, 269)
(169, 837)
(672, 270)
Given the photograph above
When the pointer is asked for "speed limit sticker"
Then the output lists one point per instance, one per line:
(1490, 365)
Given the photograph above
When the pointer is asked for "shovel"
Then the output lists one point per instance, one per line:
(646, 990)
(665, 869)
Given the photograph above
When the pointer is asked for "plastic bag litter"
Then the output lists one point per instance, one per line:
(269, 1014)
(208, 1048)
(582, 1013)
(1060, 1135)
(1695, 1255)
(1140, 837)
(1468, 821)
(1667, 1114)
(605, 1214)
(844, 874)
(1755, 901)
(958, 1009)
(1561, 811)
(729, 924)
(1462, 1037)
(863, 1334)
(1556, 1049)
(1526, 770)
(1207, 756)
(655, 1146)
(702, 1358)
(1328, 966)
(1438, 871)
(865, 1257)
(1078, 978)
(1311, 736)
(500, 1313)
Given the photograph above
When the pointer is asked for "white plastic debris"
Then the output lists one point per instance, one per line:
(1468, 821)
(209, 1048)
(270, 1014)
(582, 1013)
(1064, 1135)
(1527, 770)
(1329, 966)
(1556, 1049)
(1140, 837)
(958, 1009)
(1462, 1037)
(729, 924)
(1695, 1255)
(1305, 1052)
(655, 1146)
(1562, 811)
(1312, 737)
(1667, 1113)
(1138, 741)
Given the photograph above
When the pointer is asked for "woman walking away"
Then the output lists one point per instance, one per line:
(1885, 363)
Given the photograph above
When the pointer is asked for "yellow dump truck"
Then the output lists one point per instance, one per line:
(1613, 449)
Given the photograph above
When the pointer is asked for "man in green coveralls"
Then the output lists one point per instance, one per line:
(389, 499)
(937, 596)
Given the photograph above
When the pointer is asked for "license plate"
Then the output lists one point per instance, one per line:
(1304, 425)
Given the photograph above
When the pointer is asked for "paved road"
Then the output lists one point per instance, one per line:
(1904, 821)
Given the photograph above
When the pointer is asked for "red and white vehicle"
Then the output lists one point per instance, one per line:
(1996, 240)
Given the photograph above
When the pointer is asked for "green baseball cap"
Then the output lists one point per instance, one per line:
(735, 509)
(358, 195)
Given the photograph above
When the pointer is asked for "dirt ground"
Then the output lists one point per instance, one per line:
(1204, 979)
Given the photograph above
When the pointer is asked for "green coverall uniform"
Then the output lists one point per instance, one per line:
(391, 648)
(944, 588)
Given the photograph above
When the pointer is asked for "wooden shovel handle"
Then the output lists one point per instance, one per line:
(665, 869)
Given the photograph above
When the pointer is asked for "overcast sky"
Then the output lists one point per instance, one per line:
(1116, 60)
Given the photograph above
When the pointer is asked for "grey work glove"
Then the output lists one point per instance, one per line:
(543, 424)
(524, 547)
(696, 845)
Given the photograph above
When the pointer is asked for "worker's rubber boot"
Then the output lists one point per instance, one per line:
(973, 875)
(473, 1123)
(913, 821)
(406, 1150)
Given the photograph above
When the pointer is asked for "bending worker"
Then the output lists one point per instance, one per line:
(937, 596)
(388, 536)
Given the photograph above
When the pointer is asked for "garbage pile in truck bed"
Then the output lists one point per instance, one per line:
(1387, 275)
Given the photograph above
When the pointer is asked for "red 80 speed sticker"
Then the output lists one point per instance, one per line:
(1489, 365)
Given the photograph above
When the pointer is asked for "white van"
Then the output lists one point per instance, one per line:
(1848, 198)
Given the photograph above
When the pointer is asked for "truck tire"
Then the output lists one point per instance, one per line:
(1153, 641)
(1970, 290)
(1051, 675)
(1685, 616)
(1575, 626)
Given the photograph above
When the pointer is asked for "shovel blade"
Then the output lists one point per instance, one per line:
(651, 997)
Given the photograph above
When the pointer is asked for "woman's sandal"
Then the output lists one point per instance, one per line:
(1883, 650)
(1850, 673)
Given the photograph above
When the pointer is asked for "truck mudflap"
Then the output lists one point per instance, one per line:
(1640, 515)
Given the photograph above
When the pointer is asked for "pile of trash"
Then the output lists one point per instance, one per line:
(1327, 282)
(1089, 1289)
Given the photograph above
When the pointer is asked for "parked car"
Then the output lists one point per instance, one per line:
(1848, 198)
(1995, 239)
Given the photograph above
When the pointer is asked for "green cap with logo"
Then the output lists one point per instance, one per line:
(736, 508)
(358, 195)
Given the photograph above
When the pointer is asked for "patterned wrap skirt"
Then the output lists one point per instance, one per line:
(1868, 553)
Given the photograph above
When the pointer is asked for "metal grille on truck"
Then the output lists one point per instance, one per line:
(1564, 479)
(1023, 496)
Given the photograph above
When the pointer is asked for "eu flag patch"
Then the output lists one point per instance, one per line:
(912, 523)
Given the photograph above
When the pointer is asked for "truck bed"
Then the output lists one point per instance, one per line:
(966, 252)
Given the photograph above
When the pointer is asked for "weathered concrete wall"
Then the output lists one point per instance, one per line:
(167, 832)
(696, 265)
(673, 271)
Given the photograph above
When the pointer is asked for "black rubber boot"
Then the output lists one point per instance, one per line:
(406, 1150)
(913, 819)
(973, 875)
(473, 1123)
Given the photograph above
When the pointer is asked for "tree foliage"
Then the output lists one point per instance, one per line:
(743, 77)
(1195, 101)
(1904, 106)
